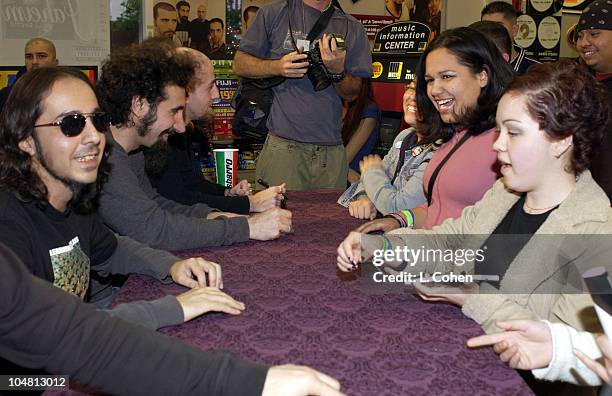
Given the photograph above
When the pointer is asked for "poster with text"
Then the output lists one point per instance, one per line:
(79, 29)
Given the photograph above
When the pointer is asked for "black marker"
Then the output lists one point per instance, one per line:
(283, 203)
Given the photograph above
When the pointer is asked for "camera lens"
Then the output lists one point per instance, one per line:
(317, 74)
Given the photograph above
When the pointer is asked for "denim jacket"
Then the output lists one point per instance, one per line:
(407, 191)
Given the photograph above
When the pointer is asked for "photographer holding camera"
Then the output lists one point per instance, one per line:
(304, 148)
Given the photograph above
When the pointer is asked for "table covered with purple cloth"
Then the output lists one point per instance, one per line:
(300, 309)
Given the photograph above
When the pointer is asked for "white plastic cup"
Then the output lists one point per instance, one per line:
(226, 165)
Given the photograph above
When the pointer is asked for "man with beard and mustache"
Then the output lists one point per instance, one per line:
(142, 88)
(53, 143)
(171, 164)
(183, 8)
(182, 27)
(52, 146)
(165, 19)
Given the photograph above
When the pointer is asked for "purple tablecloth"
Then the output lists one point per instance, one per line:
(300, 309)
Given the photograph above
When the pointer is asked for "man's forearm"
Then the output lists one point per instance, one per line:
(348, 88)
(246, 65)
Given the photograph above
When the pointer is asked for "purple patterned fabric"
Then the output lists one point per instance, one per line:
(300, 309)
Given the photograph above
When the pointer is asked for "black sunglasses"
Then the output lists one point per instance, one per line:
(73, 124)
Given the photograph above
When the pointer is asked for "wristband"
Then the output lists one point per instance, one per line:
(400, 219)
(386, 243)
(409, 216)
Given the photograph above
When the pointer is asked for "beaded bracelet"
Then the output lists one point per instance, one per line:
(395, 216)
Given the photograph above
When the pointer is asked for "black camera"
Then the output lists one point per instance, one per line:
(317, 72)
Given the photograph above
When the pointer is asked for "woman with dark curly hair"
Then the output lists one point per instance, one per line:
(550, 122)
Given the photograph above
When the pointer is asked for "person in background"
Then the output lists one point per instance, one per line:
(303, 147)
(247, 16)
(360, 119)
(199, 29)
(171, 166)
(394, 8)
(165, 19)
(182, 27)
(395, 182)
(504, 13)
(419, 12)
(594, 46)
(497, 34)
(435, 17)
(143, 88)
(183, 8)
(38, 52)
(216, 40)
(386, 190)
(460, 79)
(51, 332)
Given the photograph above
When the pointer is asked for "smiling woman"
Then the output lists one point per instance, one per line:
(550, 120)
(460, 79)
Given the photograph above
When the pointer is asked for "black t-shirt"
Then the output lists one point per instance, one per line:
(517, 227)
(183, 26)
(198, 32)
(61, 248)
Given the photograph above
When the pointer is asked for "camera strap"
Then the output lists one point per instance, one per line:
(319, 25)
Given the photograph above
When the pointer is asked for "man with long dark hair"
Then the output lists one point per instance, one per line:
(53, 143)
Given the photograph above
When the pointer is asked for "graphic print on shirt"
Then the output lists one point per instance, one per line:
(71, 268)
(300, 41)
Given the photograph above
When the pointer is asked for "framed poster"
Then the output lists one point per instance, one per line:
(207, 26)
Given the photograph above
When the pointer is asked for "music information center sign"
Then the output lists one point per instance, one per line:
(397, 49)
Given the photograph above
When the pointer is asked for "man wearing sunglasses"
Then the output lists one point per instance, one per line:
(52, 144)
(143, 91)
